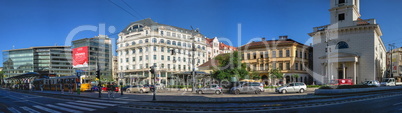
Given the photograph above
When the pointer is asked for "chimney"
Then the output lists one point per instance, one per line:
(263, 39)
(283, 37)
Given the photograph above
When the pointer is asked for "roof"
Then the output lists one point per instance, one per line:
(222, 46)
(40, 47)
(212, 62)
(152, 24)
(209, 41)
(270, 43)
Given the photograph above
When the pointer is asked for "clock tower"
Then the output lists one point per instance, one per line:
(344, 12)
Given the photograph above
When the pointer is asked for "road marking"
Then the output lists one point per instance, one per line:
(13, 110)
(97, 103)
(87, 105)
(397, 103)
(109, 101)
(29, 109)
(77, 107)
(64, 109)
(46, 109)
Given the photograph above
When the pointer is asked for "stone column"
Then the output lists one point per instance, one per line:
(354, 72)
(344, 70)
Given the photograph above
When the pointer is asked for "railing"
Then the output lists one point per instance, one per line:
(364, 22)
(320, 28)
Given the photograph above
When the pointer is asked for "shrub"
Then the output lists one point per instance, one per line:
(313, 86)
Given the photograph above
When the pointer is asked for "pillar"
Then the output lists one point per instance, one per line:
(354, 72)
(344, 70)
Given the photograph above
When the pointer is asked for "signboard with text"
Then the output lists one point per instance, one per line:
(80, 57)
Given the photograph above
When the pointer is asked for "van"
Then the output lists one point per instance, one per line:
(247, 87)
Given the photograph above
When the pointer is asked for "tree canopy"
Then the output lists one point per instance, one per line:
(229, 66)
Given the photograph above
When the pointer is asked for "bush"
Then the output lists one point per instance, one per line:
(271, 86)
(313, 86)
(353, 86)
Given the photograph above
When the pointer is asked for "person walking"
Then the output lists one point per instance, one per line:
(110, 90)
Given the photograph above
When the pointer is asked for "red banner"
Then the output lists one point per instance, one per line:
(80, 57)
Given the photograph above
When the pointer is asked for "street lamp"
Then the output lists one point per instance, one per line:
(193, 59)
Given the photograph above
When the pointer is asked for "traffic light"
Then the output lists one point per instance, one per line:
(152, 70)
(98, 74)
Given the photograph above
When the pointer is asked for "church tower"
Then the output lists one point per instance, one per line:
(344, 12)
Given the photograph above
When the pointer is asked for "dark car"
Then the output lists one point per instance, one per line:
(94, 88)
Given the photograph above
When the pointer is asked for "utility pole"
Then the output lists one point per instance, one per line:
(98, 76)
(193, 58)
(392, 46)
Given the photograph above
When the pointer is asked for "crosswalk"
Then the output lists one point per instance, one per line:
(71, 107)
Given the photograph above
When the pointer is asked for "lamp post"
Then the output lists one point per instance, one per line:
(121, 83)
(193, 59)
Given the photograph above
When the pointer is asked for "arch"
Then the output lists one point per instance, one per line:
(287, 79)
(342, 45)
(140, 42)
(173, 42)
(168, 42)
(146, 40)
(264, 78)
(161, 41)
(133, 43)
(154, 40)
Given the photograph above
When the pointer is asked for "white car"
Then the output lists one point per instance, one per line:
(372, 83)
(297, 87)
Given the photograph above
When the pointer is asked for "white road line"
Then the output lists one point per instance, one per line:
(29, 109)
(76, 107)
(109, 101)
(86, 105)
(397, 103)
(46, 109)
(13, 110)
(97, 103)
(64, 109)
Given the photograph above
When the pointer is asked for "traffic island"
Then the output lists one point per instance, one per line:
(354, 90)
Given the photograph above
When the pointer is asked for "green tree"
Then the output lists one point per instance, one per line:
(295, 76)
(229, 65)
(276, 74)
(1, 77)
(255, 75)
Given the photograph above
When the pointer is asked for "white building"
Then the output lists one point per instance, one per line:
(214, 47)
(145, 43)
(349, 47)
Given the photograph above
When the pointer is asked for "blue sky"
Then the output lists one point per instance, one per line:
(28, 23)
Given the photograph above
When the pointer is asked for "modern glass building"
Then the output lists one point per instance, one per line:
(47, 60)
(99, 51)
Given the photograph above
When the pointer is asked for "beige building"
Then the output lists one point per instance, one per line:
(349, 47)
(396, 65)
(291, 57)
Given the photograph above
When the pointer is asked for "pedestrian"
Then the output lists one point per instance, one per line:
(61, 88)
(110, 90)
(41, 87)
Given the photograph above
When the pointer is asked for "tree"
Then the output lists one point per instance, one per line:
(229, 65)
(294, 77)
(276, 74)
(1, 77)
(255, 75)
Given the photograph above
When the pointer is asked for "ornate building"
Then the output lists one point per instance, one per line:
(145, 43)
(214, 47)
(349, 47)
(287, 55)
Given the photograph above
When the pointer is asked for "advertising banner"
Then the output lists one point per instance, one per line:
(80, 57)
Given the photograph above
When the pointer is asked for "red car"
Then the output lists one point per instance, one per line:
(117, 89)
(342, 82)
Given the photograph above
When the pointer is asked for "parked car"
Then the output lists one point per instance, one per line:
(94, 88)
(117, 89)
(125, 87)
(138, 88)
(342, 82)
(372, 83)
(297, 87)
(213, 88)
(160, 86)
(151, 87)
(247, 87)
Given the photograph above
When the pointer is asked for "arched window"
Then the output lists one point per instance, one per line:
(140, 42)
(184, 44)
(178, 43)
(174, 43)
(198, 47)
(154, 40)
(342, 45)
(162, 41)
(168, 42)
(146, 40)
(133, 43)
(203, 47)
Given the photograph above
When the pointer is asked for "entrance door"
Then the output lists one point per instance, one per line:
(340, 74)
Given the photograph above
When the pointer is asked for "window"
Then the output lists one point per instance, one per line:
(168, 58)
(248, 56)
(162, 49)
(301, 54)
(168, 33)
(287, 53)
(184, 44)
(168, 42)
(162, 66)
(274, 54)
(341, 16)
(342, 45)
(146, 40)
(280, 53)
(287, 66)
(296, 54)
(280, 66)
(140, 42)
(133, 59)
(140, 50)
(341, 1)
(296, 66)
(133, 43)
(155, 48)
(178, 43)
(162, 41)
(146, 57)
(162, 57)
(154, 40)
(266, 66)
(261, 54)
(261, 66)
(168, 66)
(140, 58)
(266, 55)
(173, 34)
(174, 43)
(162, 33)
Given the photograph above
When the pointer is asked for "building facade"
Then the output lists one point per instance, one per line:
(145, 43)
(47, 60)
(214, 47)
(349, 47)
(395, 64)
(287, 55)
(99, 53)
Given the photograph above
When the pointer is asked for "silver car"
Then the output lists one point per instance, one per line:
(248, 87)
(372, 83)
(138, 88)
(213, 88)
(297, 87)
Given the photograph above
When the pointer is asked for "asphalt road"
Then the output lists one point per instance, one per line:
(14, 102)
